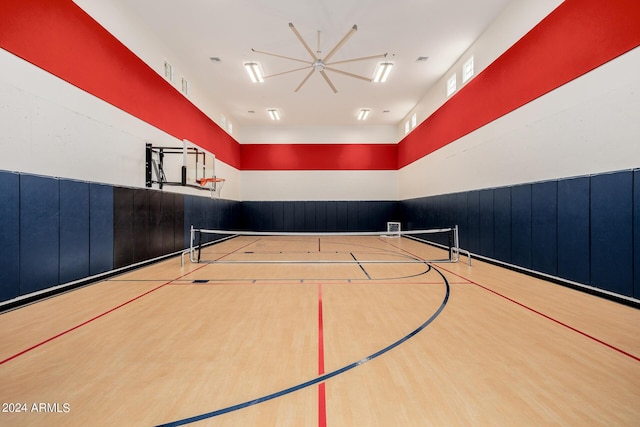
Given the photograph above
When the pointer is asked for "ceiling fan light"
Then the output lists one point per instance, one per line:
(382, 72)
(363, 114)
(254, 72)
(274, 114)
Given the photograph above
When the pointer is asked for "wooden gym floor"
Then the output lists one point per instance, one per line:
(313, 343)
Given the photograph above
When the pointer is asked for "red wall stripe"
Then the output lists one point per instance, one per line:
(59, 37)
(577, 37)
(319, 156)
(62, 39)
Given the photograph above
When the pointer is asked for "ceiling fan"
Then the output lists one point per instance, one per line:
(321, 64)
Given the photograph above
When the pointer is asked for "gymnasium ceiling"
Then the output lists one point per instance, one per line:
(196, 30)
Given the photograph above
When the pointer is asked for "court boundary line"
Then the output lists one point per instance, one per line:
(33, 347)
(611, 346)
(65, 332)
(324, 377)
(546, 316)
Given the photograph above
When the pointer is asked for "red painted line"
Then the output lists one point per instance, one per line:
(636, 358)
(33, 347)
(322, 403)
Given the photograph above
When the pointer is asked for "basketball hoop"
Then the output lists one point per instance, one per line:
(214, 183)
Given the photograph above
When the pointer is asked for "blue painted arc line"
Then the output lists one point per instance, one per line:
(321, 378)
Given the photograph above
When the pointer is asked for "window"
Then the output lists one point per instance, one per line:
(451, 85)
(414, 121)
(467, 70)
(168, 71)
(185, 86)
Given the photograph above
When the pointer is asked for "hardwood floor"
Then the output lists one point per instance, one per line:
(319, 331)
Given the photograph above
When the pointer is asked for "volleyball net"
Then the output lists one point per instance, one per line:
(390, 246)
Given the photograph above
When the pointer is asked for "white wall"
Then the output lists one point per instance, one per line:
(590, 125)
(319, 185)
(133, 33)
(517, 19)
(50, 127)
(283, 134)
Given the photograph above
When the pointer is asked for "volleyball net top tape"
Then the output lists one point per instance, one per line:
(442, 238)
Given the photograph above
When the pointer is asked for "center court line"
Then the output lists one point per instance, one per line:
(322, 378)
(322, 402)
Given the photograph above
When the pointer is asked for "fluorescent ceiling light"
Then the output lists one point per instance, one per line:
(254, 72)
(363, 113)
(382, 72)
(274, 114)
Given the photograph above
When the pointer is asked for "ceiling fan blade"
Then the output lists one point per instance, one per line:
(340, 43)
(285, 72)
(364, 58)
(305, 80)
(326, 78)
(335, 70)
(306, 46)
(281, 56)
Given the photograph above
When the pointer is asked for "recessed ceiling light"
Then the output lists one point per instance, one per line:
(382, 72)
(274, 114)
(363, 114)
(422, 58)
(214, 58)
(255, 73)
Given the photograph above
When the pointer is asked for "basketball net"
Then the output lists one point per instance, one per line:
(215, 184)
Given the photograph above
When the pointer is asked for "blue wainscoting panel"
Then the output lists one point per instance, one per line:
(636, 234)
(141, 209)
(9, 235)
(352, 216)
(100, 228)
(612, 232)
(187, 216)
(155, 223)
(487, 235)
(321, 216)
(178, 223)
(278, 217)
(473, 217)
(123, 235)
(266, 211)
(309, 216)
(573, 229)
(342, 210)
(332, 216)
(299, 216)
(462, 219)
(544, 223)
(167, 222)
(39, 233)
(521, 225)
(289, 215)
(74, 230)
(502, 220)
